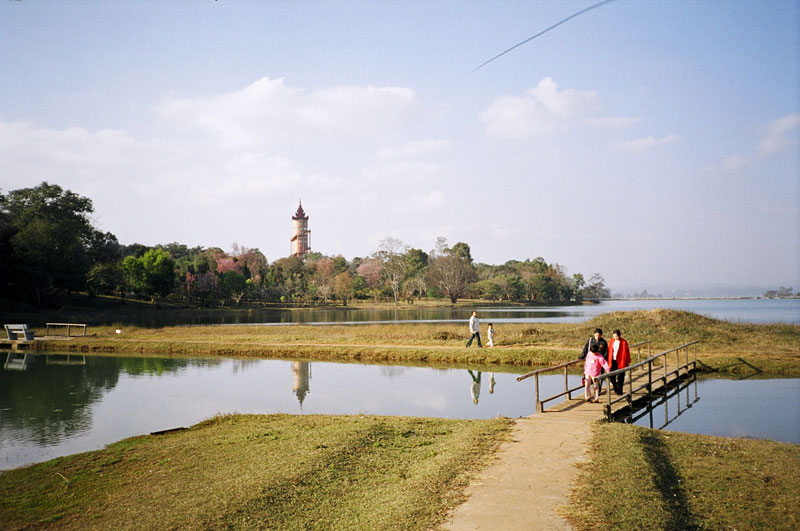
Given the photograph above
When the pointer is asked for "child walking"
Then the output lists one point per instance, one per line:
(491, 334)
(591, 370)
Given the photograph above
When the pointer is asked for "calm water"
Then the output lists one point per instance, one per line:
(743, 408)
(60, 405)
(744, 310)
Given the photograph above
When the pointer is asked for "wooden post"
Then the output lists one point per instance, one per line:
(539, 408)
(566, 385)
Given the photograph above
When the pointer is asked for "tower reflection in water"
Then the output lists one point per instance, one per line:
(302, 376)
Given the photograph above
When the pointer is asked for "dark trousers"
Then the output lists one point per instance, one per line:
(474, 335)
(617, 381)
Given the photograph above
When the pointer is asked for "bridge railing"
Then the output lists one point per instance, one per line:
(653, 364)
(567, 390)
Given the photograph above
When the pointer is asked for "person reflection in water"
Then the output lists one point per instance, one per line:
(475, 390)
(491, 383)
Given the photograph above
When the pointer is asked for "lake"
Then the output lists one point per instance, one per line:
(737, 310)
(62, 404)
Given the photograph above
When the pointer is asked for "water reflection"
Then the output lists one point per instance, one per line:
(749, 310)
(62, 405)
(67, 404)
(662, 401)
(302, 380)
(475, 388)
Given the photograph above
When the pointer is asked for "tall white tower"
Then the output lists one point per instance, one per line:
(301, 240)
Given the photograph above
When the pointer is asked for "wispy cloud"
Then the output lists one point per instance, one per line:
(542, 109)
(642, 144)
(776, 134)
(417, 148)
(614, 122)
(269, 110)
(734, 162)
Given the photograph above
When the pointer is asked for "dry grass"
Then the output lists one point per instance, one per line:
(731, 347)
(647, 479)
(271, 472)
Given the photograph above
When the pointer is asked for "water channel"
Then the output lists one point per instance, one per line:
(53, 405)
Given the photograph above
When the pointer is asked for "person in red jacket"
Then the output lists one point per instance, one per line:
(619, 356)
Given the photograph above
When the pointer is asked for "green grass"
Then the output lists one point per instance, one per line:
(639, 478)
(275, 472)
(725, 346)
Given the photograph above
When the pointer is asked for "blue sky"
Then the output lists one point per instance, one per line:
(653, 142)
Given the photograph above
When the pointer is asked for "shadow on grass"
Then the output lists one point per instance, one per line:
(668, 481)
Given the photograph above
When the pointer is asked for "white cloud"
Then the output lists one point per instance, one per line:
(734, 162)
(415, 148)
(645, 143)
(542, 109)
(431, 200)
(775, 134)
(269, 110)
(614, 122)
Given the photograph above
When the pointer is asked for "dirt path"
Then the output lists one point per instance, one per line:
(530, 476)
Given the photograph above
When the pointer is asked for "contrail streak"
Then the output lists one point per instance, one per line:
(581, 12)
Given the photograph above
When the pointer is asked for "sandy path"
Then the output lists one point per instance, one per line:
(530, 476)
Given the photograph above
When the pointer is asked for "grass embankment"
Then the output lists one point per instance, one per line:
(274, 472)
(639, 478)
(725, 346)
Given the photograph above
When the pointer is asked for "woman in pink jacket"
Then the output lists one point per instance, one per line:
(591, 370)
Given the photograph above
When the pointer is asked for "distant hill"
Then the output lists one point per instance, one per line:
(693, 290)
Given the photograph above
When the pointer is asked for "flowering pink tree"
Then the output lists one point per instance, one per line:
(371, 270)
(226, 263)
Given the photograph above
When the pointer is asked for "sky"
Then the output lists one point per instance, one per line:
(648, 141)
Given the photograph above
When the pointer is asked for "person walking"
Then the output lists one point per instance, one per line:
(602, 349)
(592, 367)
(620, 355)
(474, 329)
(490, 334)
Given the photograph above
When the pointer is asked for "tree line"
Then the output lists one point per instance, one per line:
(48, 245)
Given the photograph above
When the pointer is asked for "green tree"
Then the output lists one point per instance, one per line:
(233, 285)
(52, 236)
(151, 274)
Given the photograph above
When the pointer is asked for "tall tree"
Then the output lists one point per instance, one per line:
(50, 246)
(390, 254)
(451, 271)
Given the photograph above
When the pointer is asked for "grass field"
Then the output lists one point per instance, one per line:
(645, 479)
(268, 472)
(725, 346)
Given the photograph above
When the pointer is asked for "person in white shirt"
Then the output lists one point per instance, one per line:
(475, 329)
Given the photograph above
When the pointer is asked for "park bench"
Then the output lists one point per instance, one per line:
(68, 326)
(16, 330)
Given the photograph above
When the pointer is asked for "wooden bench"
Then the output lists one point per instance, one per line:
(16, 330)
(68, 325)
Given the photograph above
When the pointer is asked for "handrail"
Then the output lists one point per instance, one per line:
(644, 362)
(567, 390)
(547, 369)
(628, 397)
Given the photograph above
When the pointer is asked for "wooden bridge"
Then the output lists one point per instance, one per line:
(645, 382)
(531, 475)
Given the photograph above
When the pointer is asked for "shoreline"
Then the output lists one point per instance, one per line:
(725, 347)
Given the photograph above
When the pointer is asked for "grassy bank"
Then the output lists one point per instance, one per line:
(646, 479)
(276, 472)
(727, 347)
